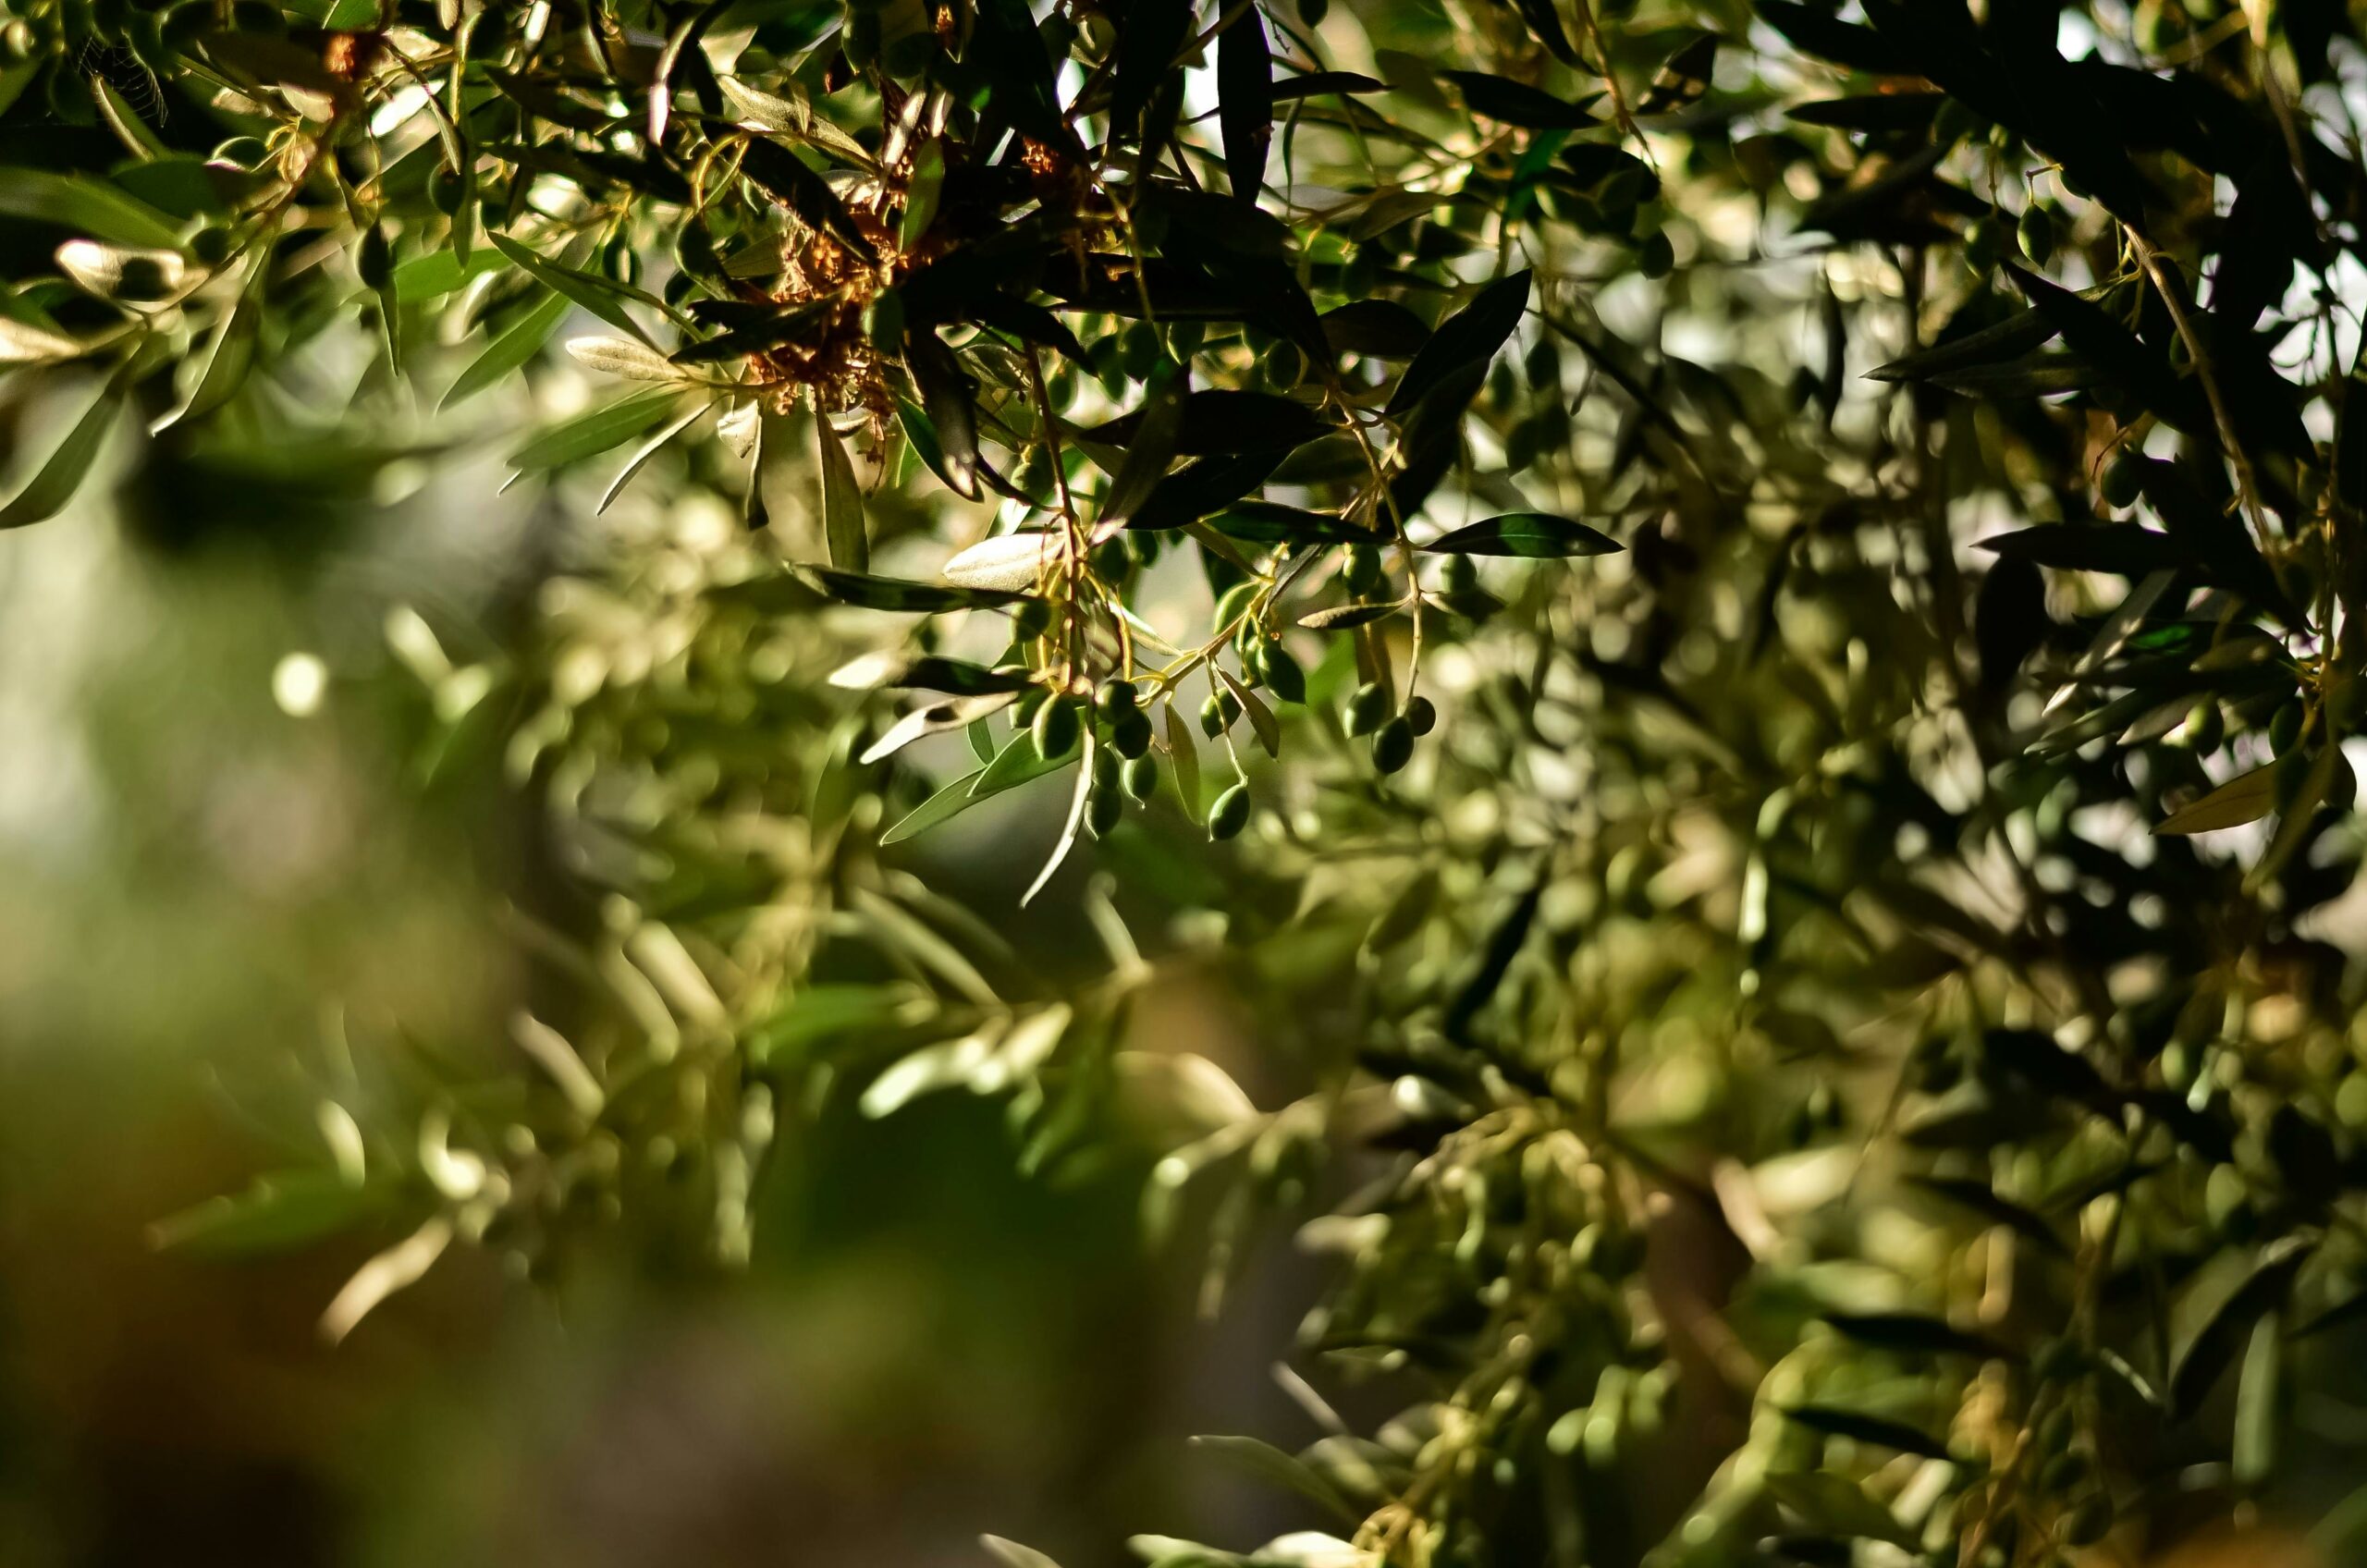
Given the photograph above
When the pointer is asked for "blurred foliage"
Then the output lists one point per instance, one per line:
(1753, 594)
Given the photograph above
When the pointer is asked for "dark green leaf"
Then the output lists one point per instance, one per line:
(1245, 102)
(1469, 336)
(785, 177)
(1911, 1333)
(1500, 98)
(1379, 328)
(952, 422)
(277, 1213)
(518, 343)
(1151, 445)
(597, 430)
(842, 529)
(1531, 534)
(1152, 35)
(900, 594)
(1860, 1426)
(61, 473)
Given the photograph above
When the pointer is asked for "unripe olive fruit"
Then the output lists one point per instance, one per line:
(1984, 245)
(374, 259)
(2037, 231)
(2123, 481)
(2086, 1523)
(1422, 715)
(1393, 746)
(2206, 726)
(1103, 811)
(1117, 697)
(1282, 673)
(1230, 815)
(1030, 618)
(1130, 733)
(1368, 710)
(1056, 729)
(2284, 726)
(1141, 777)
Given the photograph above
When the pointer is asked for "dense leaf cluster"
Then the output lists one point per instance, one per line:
(1766, 591)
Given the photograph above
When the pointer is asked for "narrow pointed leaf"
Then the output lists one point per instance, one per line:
(1469, 336)
(1534, 535)
(1245, 102)
(520, 342)
(843, 528)
(62, 473)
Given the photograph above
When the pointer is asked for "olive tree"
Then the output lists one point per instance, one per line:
(1751, 595)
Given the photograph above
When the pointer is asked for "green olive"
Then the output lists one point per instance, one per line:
(1056, 729)
(1230, 815)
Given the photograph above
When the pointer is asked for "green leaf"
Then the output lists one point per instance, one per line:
(1469, 337)
(2220, 1310)
(1153, 445)
(865, 591)
(646, 450)
(221, 368)
(1860, 1426)
(443, 272)
(2247, 797)
(1147, 44)
(1261, 718)
(785, 177)
(519, 343)
(1978, 1196)
(602, 296)
(684, 38)
(2252, 1456)
(951, 447)
(1376, 328)
(54, 484)
(1072, 823)
(1270, 522)
(1514, 103)
(1534, 535)
(597, 430)
(816, 1014)
(926, 672)
(1013, 1555)
(1835, 1505)
(1340, 617)
(1911, 1333)
(1007, 56)
(933, 719)
(1183, 754)
(966, 792)
(922, 191)
(124, 121)
(2091, 332)
(1271, 1463)
(1221, 422)
(842, 529)
(2123, 548)
(2019, 334)
(1246, 101)
(277, 1213)
(90, 207)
